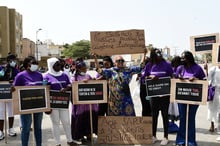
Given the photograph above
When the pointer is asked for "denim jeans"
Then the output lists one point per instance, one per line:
(26, 120)
(181, 135)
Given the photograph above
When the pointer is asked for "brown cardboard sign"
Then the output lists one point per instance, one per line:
(91, 92)
(184, 91)
(124, 130)
(31, 99)
(117, 42)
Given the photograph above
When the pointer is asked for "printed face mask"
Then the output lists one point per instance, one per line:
(34, 67)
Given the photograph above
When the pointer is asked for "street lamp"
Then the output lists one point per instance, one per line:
(37, 43)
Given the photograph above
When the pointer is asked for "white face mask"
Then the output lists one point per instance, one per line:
(67, 70)
(82, 73)
(34, 67)
(12, 63)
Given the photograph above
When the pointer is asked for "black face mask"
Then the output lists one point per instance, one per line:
(183, 61)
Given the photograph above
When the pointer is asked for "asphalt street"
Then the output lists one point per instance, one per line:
(203, 136)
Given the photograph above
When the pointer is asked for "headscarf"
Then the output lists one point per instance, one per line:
(50, 64)
(80, 63)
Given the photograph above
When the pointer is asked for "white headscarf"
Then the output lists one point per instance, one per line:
(50, 64)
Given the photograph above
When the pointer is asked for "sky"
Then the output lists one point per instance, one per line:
(166, 23)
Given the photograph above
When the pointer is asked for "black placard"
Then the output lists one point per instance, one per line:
(32, 99)
(59, 99)
(204, 43)
(189, 92)
(90, 92)
(5, 91)
(160, 87)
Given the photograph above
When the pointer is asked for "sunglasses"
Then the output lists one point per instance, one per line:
(120, 60)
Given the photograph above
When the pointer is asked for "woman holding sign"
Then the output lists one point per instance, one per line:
(10, 71)
(190, 70)
(81, 112)
(59, 81)
(158, 67)
(120, 101)
(30, 77)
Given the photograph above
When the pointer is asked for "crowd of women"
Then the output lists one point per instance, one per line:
(120, 103)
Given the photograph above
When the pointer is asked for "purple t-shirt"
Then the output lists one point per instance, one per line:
(57, 83)
(26, 78)
(162, 69)
(187, 72)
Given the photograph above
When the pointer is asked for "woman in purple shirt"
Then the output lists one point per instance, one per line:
(158, 67)
(81, 112)
(189, 71)
(59, 81)
(30, 77)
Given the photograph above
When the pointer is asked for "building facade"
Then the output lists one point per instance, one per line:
(11, 32)
(28, 48)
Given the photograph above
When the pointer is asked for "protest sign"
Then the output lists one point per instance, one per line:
(216, 54)
(117, 42)
(124, 130)
(159, 87)
(5, 91)
(31, 99)
(59, 99)
(92, 92)
(184, 91)
(203, 43)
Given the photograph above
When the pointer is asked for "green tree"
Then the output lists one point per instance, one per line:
(78, 49)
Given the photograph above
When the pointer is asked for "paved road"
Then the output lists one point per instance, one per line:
(204, 137)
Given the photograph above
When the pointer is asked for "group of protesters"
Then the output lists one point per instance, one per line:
(60, 78)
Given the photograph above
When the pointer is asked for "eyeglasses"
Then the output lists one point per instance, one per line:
(120, 60)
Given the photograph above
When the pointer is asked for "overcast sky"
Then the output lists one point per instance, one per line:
(165, 22)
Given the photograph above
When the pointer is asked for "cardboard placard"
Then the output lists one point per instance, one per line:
(117, 42)
(92, 92)
(203, 43)
(160, 87)
(59, 99)
(124, 130)
(31, 99)
(216, 54)
(5, 91)
(184, 91)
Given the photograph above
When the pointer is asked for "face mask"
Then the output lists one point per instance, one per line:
(12, 64)
(66, 70)
(159, 54)
(82, 74)
(34, 67)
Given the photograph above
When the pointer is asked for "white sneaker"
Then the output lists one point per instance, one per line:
(154, 139)
(2, 136)
(77, 141)
(164, 141)
(218, 139)
(11, 132)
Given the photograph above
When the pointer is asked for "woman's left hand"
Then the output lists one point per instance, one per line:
(192, 79)
(63, 90)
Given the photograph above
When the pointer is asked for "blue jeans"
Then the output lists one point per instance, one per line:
(26, 120)
(181, 135)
